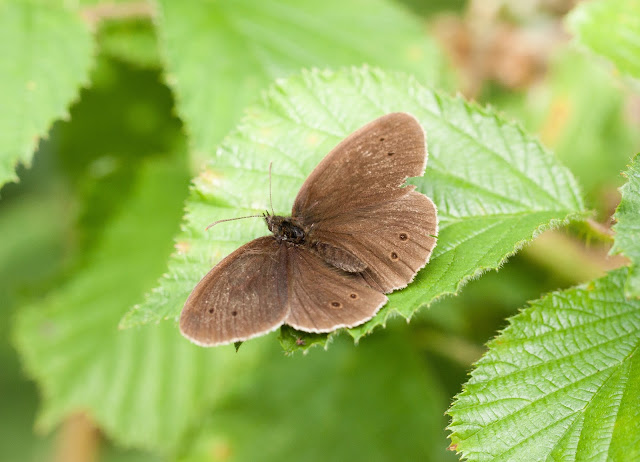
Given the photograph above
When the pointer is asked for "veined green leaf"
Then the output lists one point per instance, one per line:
(495, 187)
(611, 28)
(46, 54)
(220, 55)
(628, 227)
(560, 383)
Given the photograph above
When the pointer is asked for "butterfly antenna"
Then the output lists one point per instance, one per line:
(249, 216)
(232, 219)
(270, 201)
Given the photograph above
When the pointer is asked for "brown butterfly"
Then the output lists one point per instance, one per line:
(355, 233)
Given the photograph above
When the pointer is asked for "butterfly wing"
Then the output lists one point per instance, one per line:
(243, 296)
(393, 239)
(323, 298)
(355, 200)
(369, 166)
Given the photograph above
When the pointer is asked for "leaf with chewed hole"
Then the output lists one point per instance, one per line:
(560, 383)
(628, 227)
(495, 187)
(46, 53)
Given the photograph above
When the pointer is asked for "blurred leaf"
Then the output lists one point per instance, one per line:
(124, 119)
(482, 307)
(432, 7)
(46, 54)
(628, 227)
(588, 123)
(610, 28)
(219, 55)
(495, 188)
(379, 401)
(29, 253)
(126, 163)
(560, 383)
(133, 41)
(142, 386)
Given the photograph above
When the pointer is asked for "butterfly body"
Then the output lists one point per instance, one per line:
(356, 233)
(285, 229)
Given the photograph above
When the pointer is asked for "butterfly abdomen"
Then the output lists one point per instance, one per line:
(338, 257)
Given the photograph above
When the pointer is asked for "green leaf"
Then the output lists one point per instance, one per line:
(379, 401)
(142, 386)
(560, 383)
(220, 55)
(294, 340)
(29, 253)
(628, 227)
(494, 186)
(46, 54)
(579, 119)
(130, 177)
(133, 41)
(610, 28)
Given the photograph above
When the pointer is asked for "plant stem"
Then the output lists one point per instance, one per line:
(78, 440)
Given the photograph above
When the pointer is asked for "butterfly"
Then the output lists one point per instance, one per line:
(356, 232)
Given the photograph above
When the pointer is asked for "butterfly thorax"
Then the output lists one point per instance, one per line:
(285, 229)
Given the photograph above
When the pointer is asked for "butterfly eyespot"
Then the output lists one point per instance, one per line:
(234, 313)
(354, 296)
(382, 139)
(336, 305)
(390, 154)
(394, 256)
(403, 236)
(210, 310)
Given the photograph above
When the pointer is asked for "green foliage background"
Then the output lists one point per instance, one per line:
(112, 110)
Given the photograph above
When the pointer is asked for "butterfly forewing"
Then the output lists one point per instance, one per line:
(323, 298)
(369, 166)
(244, 296)
(355, 200)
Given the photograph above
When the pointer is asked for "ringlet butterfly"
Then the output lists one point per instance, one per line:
(355, 233)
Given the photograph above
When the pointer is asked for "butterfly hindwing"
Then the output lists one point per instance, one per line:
(393, 239)
(323, 298)
(243, 296)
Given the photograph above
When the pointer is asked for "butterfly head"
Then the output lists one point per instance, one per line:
(285, 229)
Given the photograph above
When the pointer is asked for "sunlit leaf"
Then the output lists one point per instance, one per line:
(495, 187)
(611, 28)
(46, 53)
(560, 383)
(580, 119)
(220, 55)
(627, 229)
